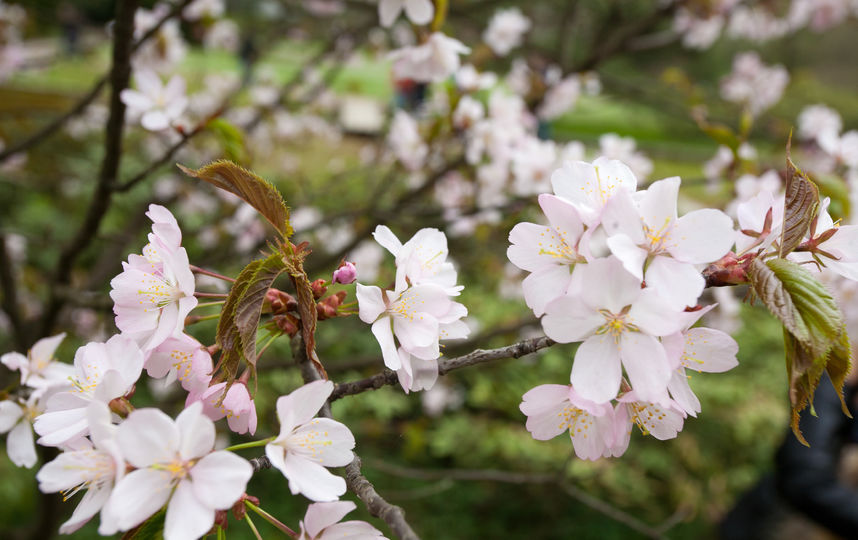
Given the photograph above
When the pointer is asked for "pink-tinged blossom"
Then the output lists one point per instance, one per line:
(16, 418)
(175, 466)
(619, 324)
(549, 252)
(433, 61)
(754, 84)
(155, 291)
(95, 468)
(589, 186)
(697, 33)
(751, 216)
(552, 409)
(405, 141)
(40, 369)
(818, 122)
(414, 317)
(698, 349)
(835, 245)
(103, 372)
(649, 234)
(506, 30)
(612, 146)
(418, 11)
(560, 98)
(322, 522)
(183, 358)
(307, 445)
(662, 421)
(236, 406)
(156, 105)
(421, 260)
(345, 274)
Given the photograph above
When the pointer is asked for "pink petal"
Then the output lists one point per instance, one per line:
(567, 320)
(137, 496)
(710, 350)
(646, 364)
(681, 392)
(320, 516)
(545, 285)
(653, 315)
(563, 218)
(679, 283)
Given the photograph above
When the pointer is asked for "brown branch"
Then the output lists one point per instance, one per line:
(445, 365)
(120, 73)
(51, 127)
(514, 477)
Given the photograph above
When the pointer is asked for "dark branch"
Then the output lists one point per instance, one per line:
(479, 356)
(10, 295)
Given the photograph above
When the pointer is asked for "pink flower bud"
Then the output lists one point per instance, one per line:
(345, 274)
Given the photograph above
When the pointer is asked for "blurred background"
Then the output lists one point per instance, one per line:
(302, 92)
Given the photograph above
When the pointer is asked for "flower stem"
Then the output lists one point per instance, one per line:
(265, 347)
(251, 444)
(199, 294)
(271, 519)
(209, 304)
(252, 526)
(221, 534)
(198, 270)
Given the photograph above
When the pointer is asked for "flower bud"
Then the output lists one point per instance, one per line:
(319, 288)
(345, 274)
(327, 308)
(287, 323)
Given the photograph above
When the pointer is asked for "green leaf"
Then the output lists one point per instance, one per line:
(803, 372)
(838, 366)
(800, 207)
(151, 529)
(239, 320)
(252, 189)
(230, 137)
(769, 288)
(815, 308)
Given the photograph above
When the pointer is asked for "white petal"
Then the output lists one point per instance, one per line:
(702, 236)
(632, 256)
(621, 216)
(44, 349)
(679, 283)
(320, 516)
(384, 334)
(591, 435)
(596, 372)
(567, 320)
(606, 284)
(303, 404)
(710, 350)
(20, 447)
(532, 246)
(419, 11)
(658, 204)
(155, 120)
(220, 478)
(420, 330)
(646, 364)
(545, 285)
(10, 413)
(563, 217)
(93, 501)
(148, 436)
(323, 441)
(311, 479)
(187, 517)
(351, 530)
(197, 432)
(681, 392)
(137, 496)
(370, 302)
(382, 234)
(653, 315)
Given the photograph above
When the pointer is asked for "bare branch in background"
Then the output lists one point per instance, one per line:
(445, 365)
(10, 295)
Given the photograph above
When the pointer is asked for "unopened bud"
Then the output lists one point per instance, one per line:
(222, 518)
(287, 323)
(327, 308)
(319, 288)
(345, 274)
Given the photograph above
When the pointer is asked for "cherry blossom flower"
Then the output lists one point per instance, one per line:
(661, 421)
(505, 31)
(418, 11)
(95, 468)
(618, 323)
(406, 142)
(698, 349)
(175, 466)
(322, 522)
(200, 9)
(833, 244)
(818, 122)
(40, 369)
(306, 445)
(589, 186)
(156, 104)
(345, 274)
(560, 98)
(421, 260)
(752, 216)
(549, 252)
(155, 292)
(754, 84)
(103, 372)
(183, 358)
(612, 146)
(697, 33)
(650, 234)
(237, 406)
(16, 418)
(433, 61)
(552, 409)
(413, 316)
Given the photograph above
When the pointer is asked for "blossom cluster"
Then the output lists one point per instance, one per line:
(618, 270)
(418, 312)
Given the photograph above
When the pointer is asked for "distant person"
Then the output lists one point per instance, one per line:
(813, 492)
(71, 21)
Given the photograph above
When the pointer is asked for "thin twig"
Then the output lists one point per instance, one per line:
(10, 295)
(446, 365)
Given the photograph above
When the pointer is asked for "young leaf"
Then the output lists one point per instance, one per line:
(800, 206)
(239, 321)
(839, 363)
(252, 189)
(294, 261)
(803, 372)
(770, 290)
(151, 529)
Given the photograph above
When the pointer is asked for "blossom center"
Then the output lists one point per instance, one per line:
(616, 323)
